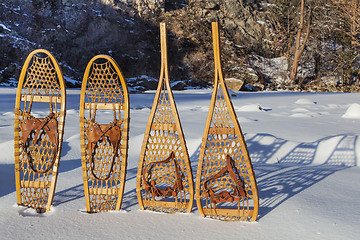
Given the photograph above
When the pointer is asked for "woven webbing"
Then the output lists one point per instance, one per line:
(163, 138)
(104, 159)
(224, 191)
(37, 153)
(41, 77)
(103, 84)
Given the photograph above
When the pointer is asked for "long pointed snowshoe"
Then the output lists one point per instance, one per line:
(225, 183)
(164, 178)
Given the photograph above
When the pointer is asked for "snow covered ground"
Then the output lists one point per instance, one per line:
(305, 149)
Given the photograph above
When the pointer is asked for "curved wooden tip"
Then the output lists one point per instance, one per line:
(40, 51)
(102, 56)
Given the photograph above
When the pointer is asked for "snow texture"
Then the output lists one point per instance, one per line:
(305, 157)
(353, 111)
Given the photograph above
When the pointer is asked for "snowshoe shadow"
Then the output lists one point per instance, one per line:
(129, 200)
(131, 174)
(296, 166)
(68, 165)
(65, 148)
(68, 195)
(6, 173)
(279, 182)
(284, 168)
(339, 150)
(194, 159)
(129, 197)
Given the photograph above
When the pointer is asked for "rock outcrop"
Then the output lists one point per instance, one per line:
(76, 30)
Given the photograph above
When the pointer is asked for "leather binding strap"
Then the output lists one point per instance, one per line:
(168, 191)
(49, 125)
(226, 196)
(99, 132)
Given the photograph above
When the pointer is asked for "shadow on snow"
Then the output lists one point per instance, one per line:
(296, 166)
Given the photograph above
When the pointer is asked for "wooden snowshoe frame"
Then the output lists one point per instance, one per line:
(222, 192)
(104, 146)
(38, 140)
(164, 152)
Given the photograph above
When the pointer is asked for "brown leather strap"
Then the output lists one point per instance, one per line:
(99, 131)
(239, 188)
(49, 125)
(168, 191)
(225, 196)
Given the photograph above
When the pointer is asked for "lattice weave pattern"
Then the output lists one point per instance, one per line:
(104, 86)
(164, 139)
(41, 79)
(35, 186)
(222, 141)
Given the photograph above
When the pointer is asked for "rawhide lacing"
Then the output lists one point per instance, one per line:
(225, 196)
(99, 132)
(168, 191)
(39, 126)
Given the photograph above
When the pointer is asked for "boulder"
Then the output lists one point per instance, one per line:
(234, 84)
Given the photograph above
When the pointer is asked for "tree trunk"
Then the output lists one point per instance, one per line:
(317, 59)
(300, 46)
(295, 66)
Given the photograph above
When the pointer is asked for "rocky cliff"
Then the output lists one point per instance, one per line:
(128, 30)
